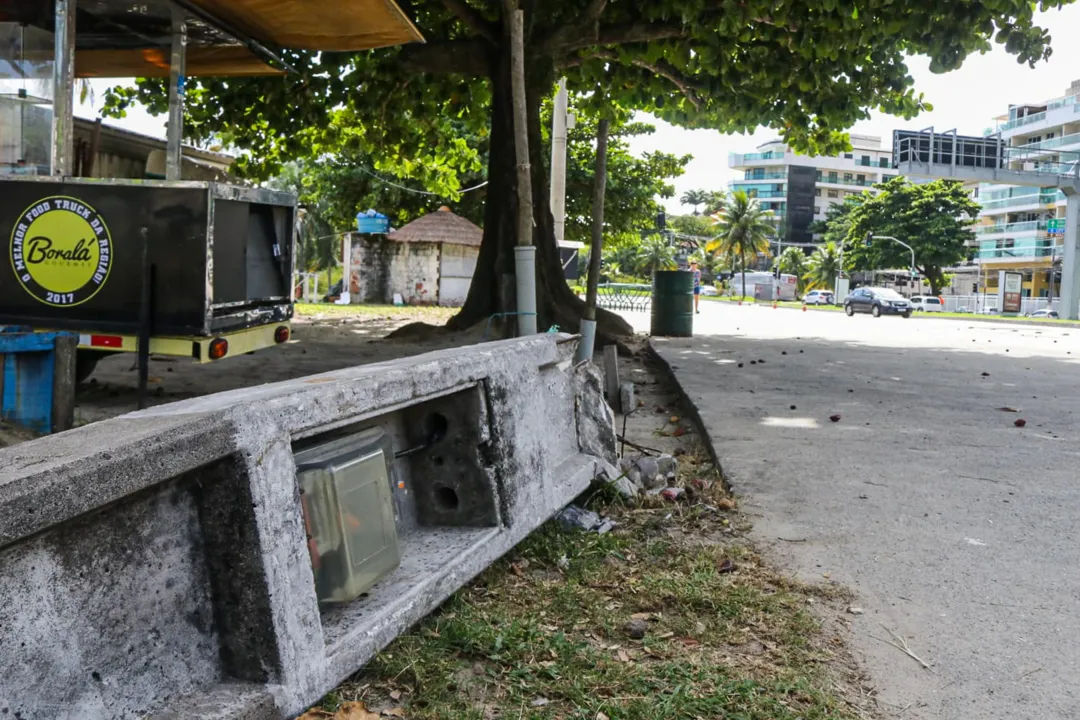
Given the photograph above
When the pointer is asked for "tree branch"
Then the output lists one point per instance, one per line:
(461, 57)
(663, 69)
(471, 18)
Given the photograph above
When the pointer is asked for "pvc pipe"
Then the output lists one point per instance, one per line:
(525, 273)
(587, 344)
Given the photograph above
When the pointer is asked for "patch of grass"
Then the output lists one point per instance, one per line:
(540, 634)
(427, 313)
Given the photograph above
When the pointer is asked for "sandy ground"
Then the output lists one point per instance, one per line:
(955, 528)
(321, 342)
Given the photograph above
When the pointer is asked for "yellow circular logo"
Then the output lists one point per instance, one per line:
(61, 251)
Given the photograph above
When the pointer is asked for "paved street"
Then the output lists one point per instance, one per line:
(955, 529)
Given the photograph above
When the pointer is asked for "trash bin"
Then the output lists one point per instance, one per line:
(673, 303)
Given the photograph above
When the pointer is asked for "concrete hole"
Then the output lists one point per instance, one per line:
(446, 498)
(436, 425)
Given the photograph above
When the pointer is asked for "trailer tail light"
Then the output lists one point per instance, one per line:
(219, 348)
(281, 335)
(106, 341)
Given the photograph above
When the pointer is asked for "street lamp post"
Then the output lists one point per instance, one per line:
(871, 236)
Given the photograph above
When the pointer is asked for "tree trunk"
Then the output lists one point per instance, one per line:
(742, 265)
(492, 289)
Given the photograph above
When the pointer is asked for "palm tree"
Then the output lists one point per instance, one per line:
(714, 201)
(744, 230)
(823, 267)
(655, 254)
(695, 198)
(793, 262)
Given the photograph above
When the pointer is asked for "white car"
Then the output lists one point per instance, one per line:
(1044, 313)
(927, 303)
(709, 290)
(819, 297)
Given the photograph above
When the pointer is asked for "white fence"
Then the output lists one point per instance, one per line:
(983, 302)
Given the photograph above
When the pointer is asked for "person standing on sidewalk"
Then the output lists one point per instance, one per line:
(697, 284)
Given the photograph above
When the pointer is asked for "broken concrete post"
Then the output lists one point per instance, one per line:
(627, 401)
(157, 564)
(611, 376)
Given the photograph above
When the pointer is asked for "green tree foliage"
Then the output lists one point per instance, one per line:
(807, 68)
(695, 199)
(633, 183)
(693, 225)
(744, 231)
(655, 253)
(933, 218)
(714, 202)
(793, 261)
(823, 267)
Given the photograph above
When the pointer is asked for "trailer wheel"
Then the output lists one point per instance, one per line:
(85, 362)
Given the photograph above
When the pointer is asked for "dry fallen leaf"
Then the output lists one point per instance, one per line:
(347, 711)
(641, 616)
(394, 712)
(674, 418)
(623, 657)
(396, 695)
(602, 716)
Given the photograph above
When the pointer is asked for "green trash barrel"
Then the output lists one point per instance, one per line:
(673, 303)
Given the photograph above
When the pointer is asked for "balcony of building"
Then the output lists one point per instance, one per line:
(1014, 229)
(1019, 199)
(1036, 249)
(770, 157)
(761, 174)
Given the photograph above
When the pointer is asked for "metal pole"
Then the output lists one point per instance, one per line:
(558, 161)
(177, 80)
(63, 87)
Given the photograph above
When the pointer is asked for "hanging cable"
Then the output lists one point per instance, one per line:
(418, 192)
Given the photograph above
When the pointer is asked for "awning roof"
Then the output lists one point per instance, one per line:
(112, 40)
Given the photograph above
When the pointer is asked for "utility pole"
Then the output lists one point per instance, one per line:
(559, 126)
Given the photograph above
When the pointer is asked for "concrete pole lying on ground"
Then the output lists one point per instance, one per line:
(588, 322)
(524, 253)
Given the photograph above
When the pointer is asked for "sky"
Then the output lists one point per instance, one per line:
(967, 99)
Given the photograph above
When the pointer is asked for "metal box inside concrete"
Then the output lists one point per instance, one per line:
(349, 513)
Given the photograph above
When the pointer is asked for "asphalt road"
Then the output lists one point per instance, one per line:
(954, 528)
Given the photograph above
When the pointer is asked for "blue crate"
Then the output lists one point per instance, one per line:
(28, 377)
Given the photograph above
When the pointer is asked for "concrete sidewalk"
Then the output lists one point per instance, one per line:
(954, 528)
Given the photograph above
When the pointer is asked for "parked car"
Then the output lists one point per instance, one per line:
(877, 302)
(990, 311)
(709, 290)
(819, 297)
(927, 303)
(1045, 313)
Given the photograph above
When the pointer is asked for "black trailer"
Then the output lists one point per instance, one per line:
(193, 269)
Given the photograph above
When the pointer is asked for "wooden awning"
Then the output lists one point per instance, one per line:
(112, 42)
(340, 25)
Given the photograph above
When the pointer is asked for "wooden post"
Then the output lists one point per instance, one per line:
(516, 19)
(63, 407)
(524, 253)
(599, 184)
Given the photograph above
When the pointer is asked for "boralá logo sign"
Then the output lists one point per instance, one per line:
(61, 251)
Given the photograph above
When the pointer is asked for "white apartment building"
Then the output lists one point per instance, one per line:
(800, 188)
(1022, 228)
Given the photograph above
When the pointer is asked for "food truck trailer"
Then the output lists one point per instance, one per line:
(200, 270)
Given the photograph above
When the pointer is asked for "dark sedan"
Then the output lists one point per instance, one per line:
(877, 302)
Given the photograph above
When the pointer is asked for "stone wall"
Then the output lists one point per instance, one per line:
(380, 267)
(156, 564)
